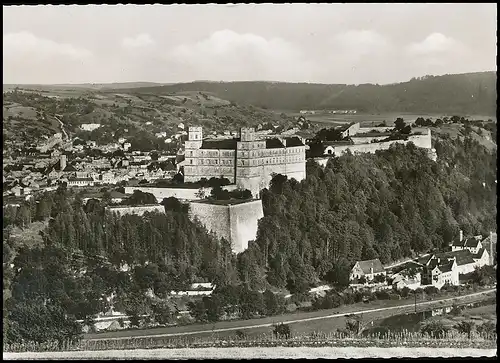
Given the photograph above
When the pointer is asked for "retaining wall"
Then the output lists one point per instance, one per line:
(236, 223)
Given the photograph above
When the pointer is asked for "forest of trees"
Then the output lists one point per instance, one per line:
(392, 204)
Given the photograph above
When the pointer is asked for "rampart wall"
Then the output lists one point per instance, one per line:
(138, 210)
(236, 223)
(162, 193)
(422, 141)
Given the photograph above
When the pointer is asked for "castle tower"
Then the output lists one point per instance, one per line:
(195, 139)
(195, 133)
(192, 145)
(63, 162)
(249, 162)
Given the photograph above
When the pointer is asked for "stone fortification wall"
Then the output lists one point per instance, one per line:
(162, 193)
(138, 210)
(236, 223)
(366, 140)
(364, 130)
(423, 141)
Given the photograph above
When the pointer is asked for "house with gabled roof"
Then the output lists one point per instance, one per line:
(473, 244)
(438, 273)
(368, 269)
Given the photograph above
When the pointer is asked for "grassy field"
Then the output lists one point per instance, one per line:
(323, 320)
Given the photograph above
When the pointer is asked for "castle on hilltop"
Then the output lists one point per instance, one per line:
(247, 161)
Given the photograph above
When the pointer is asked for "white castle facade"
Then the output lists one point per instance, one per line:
(246, 161)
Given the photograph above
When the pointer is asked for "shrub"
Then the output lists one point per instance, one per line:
(394, 296)
(382, 295)
(240, 335)
(488, 328)
(455, 310)
(405, 291)
(431, 290)
(282, 331)
(465, 327)
(435, 329)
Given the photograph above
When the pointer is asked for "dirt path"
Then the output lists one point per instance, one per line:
(241, 325)
(245, 353)
(62, 128)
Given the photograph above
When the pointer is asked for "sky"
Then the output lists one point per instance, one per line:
(315, 43)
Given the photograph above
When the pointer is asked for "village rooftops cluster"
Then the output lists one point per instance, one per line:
(435, 269)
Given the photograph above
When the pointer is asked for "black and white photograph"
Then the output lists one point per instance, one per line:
(249, 181)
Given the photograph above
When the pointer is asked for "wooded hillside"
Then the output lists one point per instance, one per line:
(469, 93)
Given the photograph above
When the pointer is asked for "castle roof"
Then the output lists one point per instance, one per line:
(293, 141)
(227, 144)
(274, 144)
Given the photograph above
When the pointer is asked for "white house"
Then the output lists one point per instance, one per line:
(90, 127)
(473, 244)
(369, 269)
(437, 273)
(80, 182)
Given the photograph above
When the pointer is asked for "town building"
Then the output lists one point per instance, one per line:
(247, 161)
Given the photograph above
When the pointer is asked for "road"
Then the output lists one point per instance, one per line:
(241, 325)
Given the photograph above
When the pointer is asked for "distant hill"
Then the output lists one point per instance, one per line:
(469, 93)
(88, 86)
(33, 114)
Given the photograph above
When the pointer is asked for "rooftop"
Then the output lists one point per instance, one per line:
(227, 144)
(367, 265)
(293, 141)
(274, 144)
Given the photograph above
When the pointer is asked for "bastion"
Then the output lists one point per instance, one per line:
(234, 220)
(138, 210)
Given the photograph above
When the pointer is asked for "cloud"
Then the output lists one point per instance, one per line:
(228, 55)
(28, 45)
(434, 43)
(139, 41)
(358, 43)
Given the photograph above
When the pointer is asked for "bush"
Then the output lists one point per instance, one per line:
(394, 296)
(456, 310)
(282, 331)
(240, 335)
(431, 290)
(488, 328)
(465, 327)
(382, 295)
(435, 329)
(405, 291)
